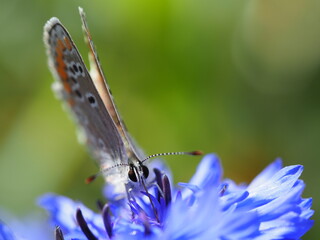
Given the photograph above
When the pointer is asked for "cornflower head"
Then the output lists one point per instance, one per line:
(207, 207)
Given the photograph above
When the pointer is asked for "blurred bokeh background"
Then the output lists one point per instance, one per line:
(238, 78)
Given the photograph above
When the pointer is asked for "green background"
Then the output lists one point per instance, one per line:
(238, 78)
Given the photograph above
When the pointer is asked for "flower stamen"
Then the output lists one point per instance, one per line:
(84, 226)
(159, 185)
(107, 220)
(166, 190)
(58, 234)
(100, 204)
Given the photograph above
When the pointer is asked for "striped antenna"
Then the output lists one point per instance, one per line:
(194, 153)
(91, 178)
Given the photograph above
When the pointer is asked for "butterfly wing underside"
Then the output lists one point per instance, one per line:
(76, 89)
(102, 87)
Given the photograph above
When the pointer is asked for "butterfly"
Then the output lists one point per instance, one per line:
(88, 98)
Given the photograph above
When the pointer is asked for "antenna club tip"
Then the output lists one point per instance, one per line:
(196, 153)
(90, 179)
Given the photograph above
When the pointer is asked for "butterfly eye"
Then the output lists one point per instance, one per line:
(132, 175)
(145, 171)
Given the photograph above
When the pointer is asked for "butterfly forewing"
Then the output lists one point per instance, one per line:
(77, 90)
(99, 80)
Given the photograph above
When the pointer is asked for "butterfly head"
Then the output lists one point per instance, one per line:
(131, 173)
(137, 171)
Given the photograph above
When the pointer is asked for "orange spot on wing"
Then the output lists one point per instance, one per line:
(67, 87)
(60, 65)
(68, 43)
(71, 102)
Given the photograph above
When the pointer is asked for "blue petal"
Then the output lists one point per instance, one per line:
(289, 226)
(305, 206)
(282, 205)
(278, 185)
(63, 211)
(266, 174)
(5, 232)
(209, 172)
(236, 225)
(201, 216)
(233, 198)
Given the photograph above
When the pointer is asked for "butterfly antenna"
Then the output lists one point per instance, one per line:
(94, 176)
(194, 153)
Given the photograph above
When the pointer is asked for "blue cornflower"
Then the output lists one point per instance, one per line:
(208, 207)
